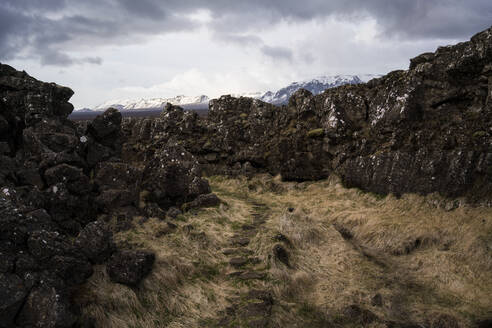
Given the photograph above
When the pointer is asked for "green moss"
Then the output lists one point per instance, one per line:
(315, 133)
(236, 225)
(479, 134)
(207, 144)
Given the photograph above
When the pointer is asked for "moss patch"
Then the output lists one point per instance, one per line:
(316, 133)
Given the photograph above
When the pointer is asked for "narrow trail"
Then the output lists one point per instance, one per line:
(252, 306)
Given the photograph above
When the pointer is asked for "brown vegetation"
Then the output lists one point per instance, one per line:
(355, 259)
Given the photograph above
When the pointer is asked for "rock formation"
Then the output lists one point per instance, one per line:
(57, 181)
(424, 130)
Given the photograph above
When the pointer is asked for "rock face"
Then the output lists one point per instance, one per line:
(424, 130)
(45, 197)
(56, 179)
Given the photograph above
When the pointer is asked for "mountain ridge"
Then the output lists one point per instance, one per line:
(279, 97)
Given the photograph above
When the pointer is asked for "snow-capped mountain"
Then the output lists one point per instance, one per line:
(280, 97)
(153, 103)
(256, 95)
(316, 86)
(84, 110)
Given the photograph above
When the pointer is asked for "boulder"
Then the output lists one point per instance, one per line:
(96, 242)
(204, 200)
(129, 267)
(106, 128)
(173, 176)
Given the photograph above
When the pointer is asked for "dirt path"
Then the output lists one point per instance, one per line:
(253, 306)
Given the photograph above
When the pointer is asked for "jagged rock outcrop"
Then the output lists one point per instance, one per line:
(45, 197)
(56, 179)
(424, 130)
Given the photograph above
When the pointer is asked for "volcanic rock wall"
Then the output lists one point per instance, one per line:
(62, 186)
(424, 130)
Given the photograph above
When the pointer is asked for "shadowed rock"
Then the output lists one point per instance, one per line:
(96, 242)
(281, 254)
(130, 267)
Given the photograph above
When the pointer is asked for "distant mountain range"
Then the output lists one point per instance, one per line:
(315, 86)
(152, 103)
(280, 97)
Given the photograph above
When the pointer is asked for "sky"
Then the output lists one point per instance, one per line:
(120, 49)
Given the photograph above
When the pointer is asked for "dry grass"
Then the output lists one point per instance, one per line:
(421, 259)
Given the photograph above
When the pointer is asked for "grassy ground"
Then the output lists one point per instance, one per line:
(355, 259)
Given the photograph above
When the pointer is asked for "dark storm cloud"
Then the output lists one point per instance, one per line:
(50, 30)
(277, 52)
(35, 5)
(53, 57)
(145, 8)
(274, 52)
(413, 19)
(47, 29)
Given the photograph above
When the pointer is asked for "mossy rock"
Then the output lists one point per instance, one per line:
(316, 133)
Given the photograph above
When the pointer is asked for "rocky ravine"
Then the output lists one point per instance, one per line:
(64, 189)
(424, 130)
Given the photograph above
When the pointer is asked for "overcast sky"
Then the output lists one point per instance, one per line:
(113, 49)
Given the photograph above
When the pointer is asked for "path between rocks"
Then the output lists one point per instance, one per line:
(251, 307)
